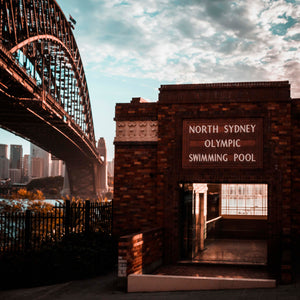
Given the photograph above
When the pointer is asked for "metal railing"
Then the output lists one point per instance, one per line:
(28, 230)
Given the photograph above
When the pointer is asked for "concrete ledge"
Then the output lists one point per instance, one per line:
(164, 283)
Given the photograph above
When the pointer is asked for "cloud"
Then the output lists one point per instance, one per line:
(190, 41)
(292, 71)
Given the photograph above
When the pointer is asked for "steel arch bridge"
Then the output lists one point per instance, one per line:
(43, 89)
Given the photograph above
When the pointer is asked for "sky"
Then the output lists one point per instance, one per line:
(131, 47)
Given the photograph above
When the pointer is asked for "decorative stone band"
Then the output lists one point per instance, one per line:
(136, 131)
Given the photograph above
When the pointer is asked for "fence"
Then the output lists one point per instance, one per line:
(20, 231)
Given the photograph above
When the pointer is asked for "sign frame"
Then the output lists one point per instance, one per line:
(213, 143)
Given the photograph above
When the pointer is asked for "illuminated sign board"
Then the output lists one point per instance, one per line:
(223, 143)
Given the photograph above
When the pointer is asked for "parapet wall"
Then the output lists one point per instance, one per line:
(140, 253)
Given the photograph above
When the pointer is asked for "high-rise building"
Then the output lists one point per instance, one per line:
(16, 154)
(103, 171)
(4, 162)
(110, 167)
(15, 175)
(3, 150)
(39, 167)
(57, 167)
(110, 175)
(25, 175)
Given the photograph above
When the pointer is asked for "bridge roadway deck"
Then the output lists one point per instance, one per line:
(28, 111)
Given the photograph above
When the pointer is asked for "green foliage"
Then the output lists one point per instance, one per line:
(76, 256)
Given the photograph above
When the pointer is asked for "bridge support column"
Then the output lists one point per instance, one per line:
(66, 187)
(103, 169)
(83, 179)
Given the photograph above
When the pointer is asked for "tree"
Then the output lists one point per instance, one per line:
(23, 199)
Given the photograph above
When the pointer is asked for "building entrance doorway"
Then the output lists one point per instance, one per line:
(224, 223)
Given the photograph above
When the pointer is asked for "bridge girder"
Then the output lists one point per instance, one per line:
(31, 30)
(43, 90)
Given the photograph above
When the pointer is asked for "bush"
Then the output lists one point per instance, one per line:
(76, 256)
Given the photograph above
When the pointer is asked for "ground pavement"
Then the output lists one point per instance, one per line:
(108, 287)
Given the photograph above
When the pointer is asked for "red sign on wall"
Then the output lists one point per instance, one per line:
(223, 143)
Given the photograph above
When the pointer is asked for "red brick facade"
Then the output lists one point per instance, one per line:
(295, 207)
(148, 173)
(140, 253)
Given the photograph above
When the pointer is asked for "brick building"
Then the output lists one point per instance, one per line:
(174, 158)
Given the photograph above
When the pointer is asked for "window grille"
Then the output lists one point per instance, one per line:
(244, 199)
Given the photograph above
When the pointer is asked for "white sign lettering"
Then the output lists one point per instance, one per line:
(223, 143)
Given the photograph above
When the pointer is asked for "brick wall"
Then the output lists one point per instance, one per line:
(134, 188)
(140, 253)
(135, 201)
(135, 111)
(296, 180)
(147, 176)
(233, 102)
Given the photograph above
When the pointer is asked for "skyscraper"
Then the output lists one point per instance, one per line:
(25, 175)
(57, 167)
(40, 160)
(103, 171)
(37, 167)
(16, 153)
(4, 162)
(15, 175)
(3, 150)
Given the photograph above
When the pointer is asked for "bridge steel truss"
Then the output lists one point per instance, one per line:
(42, 73)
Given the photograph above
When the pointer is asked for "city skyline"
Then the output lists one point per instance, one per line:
(130, 48)
(21, 168)
(40, 163)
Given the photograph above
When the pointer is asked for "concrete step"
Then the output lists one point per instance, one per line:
(163, 283)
